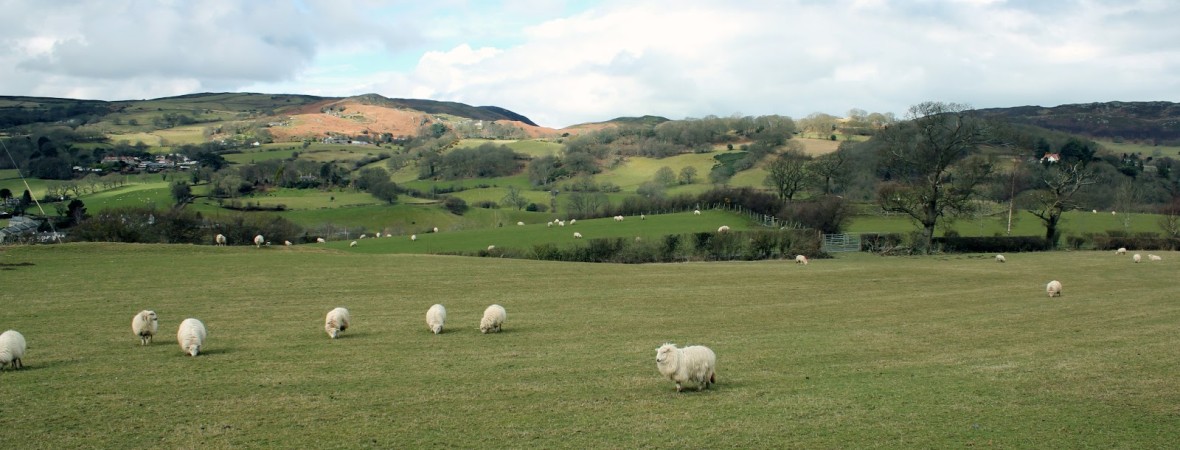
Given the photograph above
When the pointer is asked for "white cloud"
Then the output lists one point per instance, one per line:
(561, 63)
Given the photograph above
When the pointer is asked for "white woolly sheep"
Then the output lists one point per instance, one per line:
(619, 218)
(413, 237)
(550, 224)
(696, 212)
(363, 236)
(320, 240)
(259, 240)
(287, 243)
(1121, 251)
(12, 349)
(577, 235)
(573, 221)
(520, 224)
(1000, 258)
(378, 234)
(491, 247)
(1113, 213)
(801, 259)
(493, 319)
(561, 223)
(191, 336)
(695, 364)
(219, 239)
(1154, 258)
(436, 229)
(435, 317)
(1053, 288)
(1136, 257)
(144, 325)
(642, 217)
(1094, 211)
(352, 244)
(723, 229)
(336, 321)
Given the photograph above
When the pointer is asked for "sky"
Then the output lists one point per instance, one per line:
(562, 63)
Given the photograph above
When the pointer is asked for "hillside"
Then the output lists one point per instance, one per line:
(1155, 123)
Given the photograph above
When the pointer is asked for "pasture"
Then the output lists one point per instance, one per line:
(854, 352)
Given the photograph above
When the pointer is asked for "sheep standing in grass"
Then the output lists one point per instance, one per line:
(1136, 258)
(493, 319)
(191, 336)
(491, 247)
(12, 349)
(1121, 251)
(320, 240)
(352, 244)
(696, 212)
(695, 364)
(259, 240)
(577, 235)
(1154, 258)
(336, 322)
(435, 316)
(801, 259)
(520, 224)
(1000, 258)
(144, 325)
(287, 243)
(723, 229)
(550, 224)
(1053, 288)
(219, 239)
(436, 229)
(413, 237)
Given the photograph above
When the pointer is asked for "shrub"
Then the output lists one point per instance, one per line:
(993, 244)
(455, 205)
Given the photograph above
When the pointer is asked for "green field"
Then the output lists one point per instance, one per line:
(925, 352)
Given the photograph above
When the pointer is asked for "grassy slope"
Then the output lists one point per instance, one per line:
(922, 354)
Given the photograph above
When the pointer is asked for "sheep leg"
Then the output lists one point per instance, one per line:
(679, 387)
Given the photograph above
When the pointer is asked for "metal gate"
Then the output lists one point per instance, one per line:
(835, 243)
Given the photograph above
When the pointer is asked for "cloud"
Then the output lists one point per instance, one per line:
(562, 63)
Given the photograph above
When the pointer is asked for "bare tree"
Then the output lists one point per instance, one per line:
(828, 168)
(1061, 180)
(931, 165)
(515, 198)
(787, 174)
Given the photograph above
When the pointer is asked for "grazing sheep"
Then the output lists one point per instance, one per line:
(491, 247)
(1121, 251)
(320, 240)
(642, 217)
(561, 223)
(435, 316)
(219, 239)
(550, 224)
(723, 229)
(619, 218)
(493, 319)
(1000, 258)
(696, 212)
(144, 325)
(336, 321)
(436, 229)
(1113, 213)
(12, 349)
(1136, 258)
(287, 243)
(413, 237)
(573, 221)
(520, 224)
(801, 259)
(695, 364)
(1053, 288)
(352, 244)
(259, 240)
(1094, 211)
(363, 236)
(1154, 258)
(378, 234)
(191, 336)
(577, 235)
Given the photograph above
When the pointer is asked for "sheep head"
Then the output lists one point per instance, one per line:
(436, 328)
(194, 349)
(665, 353)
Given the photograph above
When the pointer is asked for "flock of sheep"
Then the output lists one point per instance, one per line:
(1053, 288)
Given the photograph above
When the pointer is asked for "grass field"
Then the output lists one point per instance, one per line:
(925, 352)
